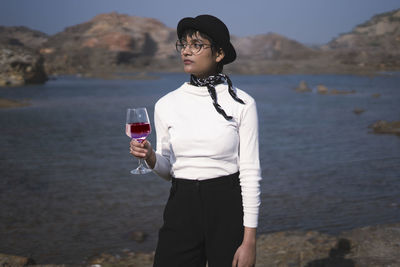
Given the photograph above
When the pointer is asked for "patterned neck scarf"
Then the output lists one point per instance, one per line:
(211, 82)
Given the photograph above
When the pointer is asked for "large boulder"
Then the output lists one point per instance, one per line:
(20, 65)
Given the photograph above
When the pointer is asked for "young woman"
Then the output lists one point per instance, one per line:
(207, 145)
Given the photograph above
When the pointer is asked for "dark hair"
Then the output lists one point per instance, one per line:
(190, 32)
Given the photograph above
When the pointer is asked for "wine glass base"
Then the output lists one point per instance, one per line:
(141, 170)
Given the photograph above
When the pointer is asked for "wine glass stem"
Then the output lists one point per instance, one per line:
(140, 163)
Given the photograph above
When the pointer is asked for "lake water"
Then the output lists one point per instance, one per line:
(66, 192)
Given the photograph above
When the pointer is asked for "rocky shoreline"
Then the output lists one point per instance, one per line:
(371, 246)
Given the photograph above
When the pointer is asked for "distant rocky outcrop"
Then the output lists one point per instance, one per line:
(109, 41)
(270, 46)
(271, 53)
(374, 44)
(386, 127)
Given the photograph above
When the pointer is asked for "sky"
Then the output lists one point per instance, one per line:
(307, 21)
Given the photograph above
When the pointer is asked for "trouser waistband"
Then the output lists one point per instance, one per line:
(231, 179)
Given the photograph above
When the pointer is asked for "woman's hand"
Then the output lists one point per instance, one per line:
(143, 150)
(245, 255)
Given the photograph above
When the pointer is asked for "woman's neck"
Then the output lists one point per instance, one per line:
(205, 75)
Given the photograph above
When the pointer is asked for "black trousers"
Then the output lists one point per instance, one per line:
(203, 222)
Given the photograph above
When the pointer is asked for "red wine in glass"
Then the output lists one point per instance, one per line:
(138, 128)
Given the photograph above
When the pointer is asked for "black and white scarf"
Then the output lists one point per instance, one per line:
(211, 82)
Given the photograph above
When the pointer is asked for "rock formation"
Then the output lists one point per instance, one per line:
(20, 65)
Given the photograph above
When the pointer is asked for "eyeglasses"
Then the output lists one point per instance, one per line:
(195, 48)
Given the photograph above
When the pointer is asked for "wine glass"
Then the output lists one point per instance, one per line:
(138, 128)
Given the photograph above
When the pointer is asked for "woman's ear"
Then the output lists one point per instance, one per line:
(220, 55)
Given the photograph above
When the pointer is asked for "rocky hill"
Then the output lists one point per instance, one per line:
(108, 41)
(270, 53)
(271, 46)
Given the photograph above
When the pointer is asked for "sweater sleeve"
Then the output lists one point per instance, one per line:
(249, 164)
(163, 166)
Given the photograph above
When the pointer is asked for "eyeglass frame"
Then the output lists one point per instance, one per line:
(191, 47)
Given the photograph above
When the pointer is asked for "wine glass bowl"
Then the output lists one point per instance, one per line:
(138, 128)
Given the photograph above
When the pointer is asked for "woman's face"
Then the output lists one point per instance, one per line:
(202, 63)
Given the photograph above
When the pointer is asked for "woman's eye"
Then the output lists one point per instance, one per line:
(198, 46)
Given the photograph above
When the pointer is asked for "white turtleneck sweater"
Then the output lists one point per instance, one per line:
(195, 142)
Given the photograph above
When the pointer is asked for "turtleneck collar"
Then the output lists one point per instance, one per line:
(202, 90)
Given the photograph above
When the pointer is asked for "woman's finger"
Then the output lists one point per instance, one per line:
(235, 261)
(138, 154)
(138, 151)
(147, 144)
(136, 143)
